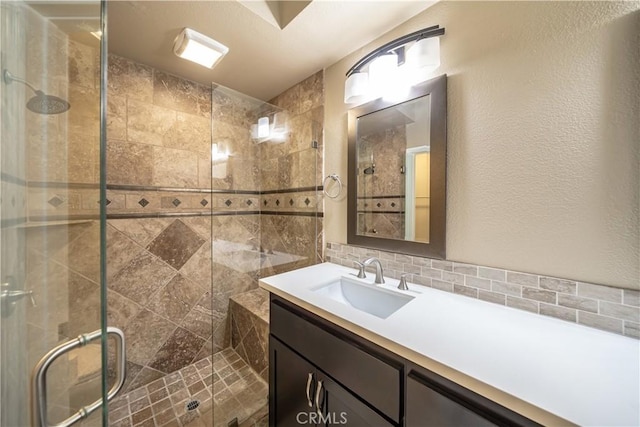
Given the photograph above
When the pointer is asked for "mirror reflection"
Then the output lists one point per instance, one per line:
(393, 153)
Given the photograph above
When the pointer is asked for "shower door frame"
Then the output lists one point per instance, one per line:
(35, 403)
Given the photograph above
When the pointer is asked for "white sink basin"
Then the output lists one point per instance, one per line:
(369, 298)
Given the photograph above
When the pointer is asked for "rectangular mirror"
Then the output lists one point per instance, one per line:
(397, 172)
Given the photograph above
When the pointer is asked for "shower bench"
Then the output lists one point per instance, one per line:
(249, 313)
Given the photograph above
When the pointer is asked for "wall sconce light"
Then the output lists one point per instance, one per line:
(218, 154)
(198, 48)
(393, 68)
(263, 127)
(219, 160)
(271, 128)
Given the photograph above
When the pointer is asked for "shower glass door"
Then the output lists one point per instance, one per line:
(51, 223)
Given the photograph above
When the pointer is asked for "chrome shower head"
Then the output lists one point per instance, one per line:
(41, 103)
(47, 104)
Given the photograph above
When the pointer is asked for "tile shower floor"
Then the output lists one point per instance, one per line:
(224, 380)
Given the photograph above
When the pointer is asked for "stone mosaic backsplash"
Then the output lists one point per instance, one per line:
(603, 307)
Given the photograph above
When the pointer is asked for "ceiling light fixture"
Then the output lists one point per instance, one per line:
(394, 67)
(199, 48)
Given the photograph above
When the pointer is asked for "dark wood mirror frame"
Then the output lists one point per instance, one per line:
(437, 89)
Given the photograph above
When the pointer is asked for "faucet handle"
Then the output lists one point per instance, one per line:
(361, 273)
(403, 282)
(33, 300)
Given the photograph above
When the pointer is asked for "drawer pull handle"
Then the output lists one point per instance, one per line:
(318, 404)
(309, 392)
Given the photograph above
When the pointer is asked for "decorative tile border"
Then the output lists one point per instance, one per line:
(381, 204)
(52, 201)
(59, 201)
(14, 197)
(603, 307)
(294, 201)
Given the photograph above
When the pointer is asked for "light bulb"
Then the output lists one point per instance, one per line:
(383, 73)
(356, 86)
(423, 58)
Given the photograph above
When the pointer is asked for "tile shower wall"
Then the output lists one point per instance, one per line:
(159, 293)
(159, 128)
(161, 131)
(381, 193)
(269, 196)
(603, 307)
(291, 217)
(236, 189)
(159, 225)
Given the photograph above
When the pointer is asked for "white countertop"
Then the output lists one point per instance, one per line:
(549, 370)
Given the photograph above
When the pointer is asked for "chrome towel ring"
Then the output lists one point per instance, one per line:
(335, 178)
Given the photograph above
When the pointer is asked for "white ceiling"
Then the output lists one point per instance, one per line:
(263, 59)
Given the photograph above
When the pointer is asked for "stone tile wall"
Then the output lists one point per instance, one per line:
(190, 221)
(250, 329)
(292, 175)
(158, 128)
(381, 194)
(386, 150)
(159, 204)
(611, 309)
(235, 181)
(159, 283)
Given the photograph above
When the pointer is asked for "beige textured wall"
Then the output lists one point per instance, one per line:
(543, 160)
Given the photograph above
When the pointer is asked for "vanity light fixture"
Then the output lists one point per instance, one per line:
(393, 68)
(198, 48)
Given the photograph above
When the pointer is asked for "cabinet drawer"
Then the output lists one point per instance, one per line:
(351, 364)
(435, 401)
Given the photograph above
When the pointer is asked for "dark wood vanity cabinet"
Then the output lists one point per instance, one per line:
(321, 374)
(291, 391)
(432, 400)
(301, 394)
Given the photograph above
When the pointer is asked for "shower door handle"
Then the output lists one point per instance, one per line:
(39, 386)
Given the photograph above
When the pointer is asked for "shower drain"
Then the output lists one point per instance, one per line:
(193, 404)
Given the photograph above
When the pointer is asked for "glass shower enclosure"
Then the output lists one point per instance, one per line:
(52, 324)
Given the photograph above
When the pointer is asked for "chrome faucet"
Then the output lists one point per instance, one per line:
(379, 273)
